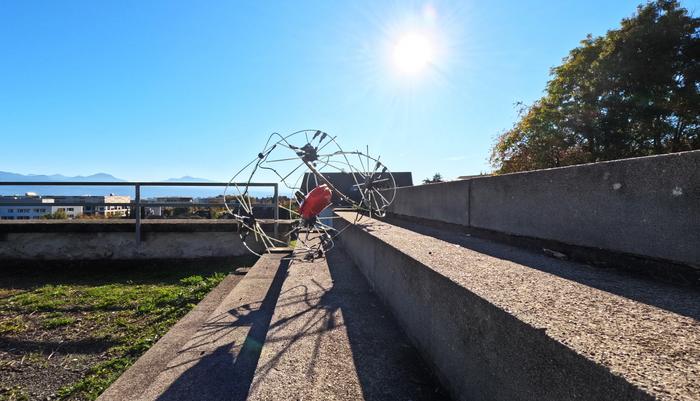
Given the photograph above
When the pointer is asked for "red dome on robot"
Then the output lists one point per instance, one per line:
(315, 201)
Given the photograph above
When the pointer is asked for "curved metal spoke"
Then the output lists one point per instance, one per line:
(370, 179)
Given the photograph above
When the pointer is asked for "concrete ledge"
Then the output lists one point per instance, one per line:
(195, 359)
(500, 323)
(647, 206)
(121, 245)
(124, 225)
(656, 269)
(115, 239)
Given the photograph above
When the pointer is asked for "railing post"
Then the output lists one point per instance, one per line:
(137, 212)
(276, 209)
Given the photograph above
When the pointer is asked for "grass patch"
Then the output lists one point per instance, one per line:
(14, 393)
(12, 325)
(145, 314)
(54, 322)
(92, 324)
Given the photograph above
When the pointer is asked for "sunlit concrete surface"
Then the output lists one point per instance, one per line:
(291, 329)
(109, 239)
(502, 323)
(645, 206)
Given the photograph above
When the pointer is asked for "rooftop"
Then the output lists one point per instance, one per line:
(501, 288)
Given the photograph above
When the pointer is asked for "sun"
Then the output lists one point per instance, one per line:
(412, 53)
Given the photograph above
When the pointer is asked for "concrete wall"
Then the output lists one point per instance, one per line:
(119, 245)
(647, 206)
(442, 202)
(479, 351)
(115, 239)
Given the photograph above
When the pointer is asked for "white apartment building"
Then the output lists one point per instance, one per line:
(25, 207)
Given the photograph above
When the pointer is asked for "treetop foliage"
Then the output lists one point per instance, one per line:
(633, 92)
(437, 177)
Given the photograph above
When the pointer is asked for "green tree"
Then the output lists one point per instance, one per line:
(436, 178)
(59, 214)
(633, 92)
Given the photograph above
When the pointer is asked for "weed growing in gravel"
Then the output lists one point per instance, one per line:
(52, 323)
(15, 393)
(12, 325)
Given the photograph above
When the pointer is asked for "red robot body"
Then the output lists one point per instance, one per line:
(315, 201)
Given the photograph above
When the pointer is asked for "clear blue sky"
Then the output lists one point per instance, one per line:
(148, 90)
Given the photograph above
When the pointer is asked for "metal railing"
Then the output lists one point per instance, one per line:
(137, 203)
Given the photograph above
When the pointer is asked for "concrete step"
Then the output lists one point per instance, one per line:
(288, 330)
(502, 323)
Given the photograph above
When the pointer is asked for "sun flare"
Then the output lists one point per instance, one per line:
(412, 53)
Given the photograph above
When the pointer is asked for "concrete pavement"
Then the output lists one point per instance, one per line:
(290, 330)
(502, 323)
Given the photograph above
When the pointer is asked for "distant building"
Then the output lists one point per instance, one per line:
(72, 205)
(92, 208)
(25, 207)
(215, 200)
(348, 183)
(157, 211)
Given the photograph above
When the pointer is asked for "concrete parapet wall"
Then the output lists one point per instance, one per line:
(478, 351)
(447, 202)
(500, 323)
(648, 206)
(115, 239)
(116, 245)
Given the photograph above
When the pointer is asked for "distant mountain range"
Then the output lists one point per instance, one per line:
(187, 178)
(146, 192)
(7, 176)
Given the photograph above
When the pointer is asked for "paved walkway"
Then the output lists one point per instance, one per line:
(290, 330)
(331, 339)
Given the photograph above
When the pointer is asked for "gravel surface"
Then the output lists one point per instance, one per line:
(43, 361)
